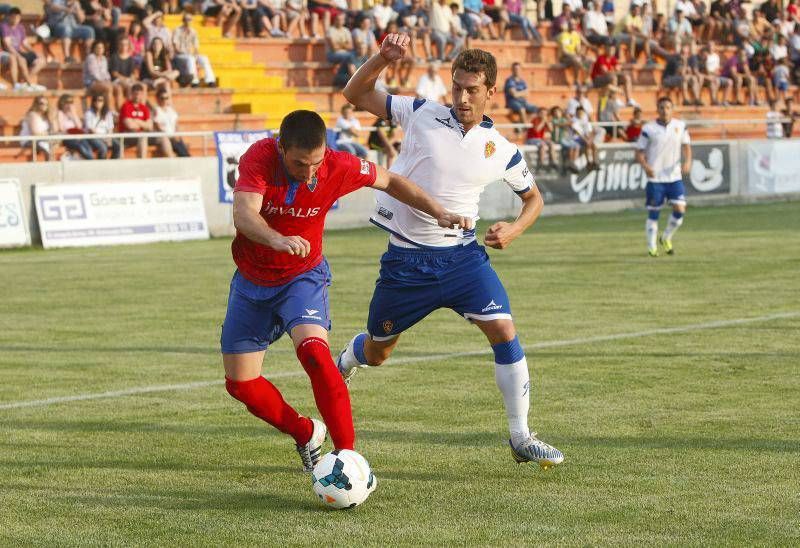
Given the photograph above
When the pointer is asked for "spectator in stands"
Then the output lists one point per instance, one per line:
(37, 122)
(103, 17)
(774, 126)
(761, 65)
(608, 106)
(606, 72)
(791, 117)
(559, 128)
(770, 9)
(15, 42)
(384, 140)
(431, 86)
(634, 128)
(738, 70)
(476, 21)
(579, 100)
(322, 10)
(65, 19)
(341, 51)
(710, 78)
(414, 22)
(499, 16)
(794, 47)
(539, 135)
(99, 120)
(678, 75)
(689, 12)
(630, 31)
(186, 45)
(517, 18)
(96, 77)
(760, 27)
(570, 54)
(349, 128)
(154, 25)
(680, 29)
(516, 94)
(157, 69)
(719, 11)
(595, 26)
(559, 24)
(363, 36)
(10, 64)
(138, 41)
(581, 139)
(123, 69)
(134, 117)
(68, 122)
(165, 120)
(608, 12)
(444, 30)
(227, 13)
(297, 18)
(780, 79)
(383, 13)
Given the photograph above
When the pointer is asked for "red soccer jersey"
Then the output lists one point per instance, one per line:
(137, 111)
(603, 64)
(292, 208)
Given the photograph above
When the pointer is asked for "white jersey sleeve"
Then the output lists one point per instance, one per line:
(517, 176)
(685, 139)
(400, 108)
(641, 142)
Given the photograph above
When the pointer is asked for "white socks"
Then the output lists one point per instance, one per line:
(513, 381)
(651, 229)
(672, 226)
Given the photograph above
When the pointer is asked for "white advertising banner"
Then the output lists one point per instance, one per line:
(13, 228)
(120, 213)
(773, 167)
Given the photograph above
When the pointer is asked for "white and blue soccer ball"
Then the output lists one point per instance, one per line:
(343, 479)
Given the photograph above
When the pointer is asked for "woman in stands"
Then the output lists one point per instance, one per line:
(68, 122)
(38, 121)
(124, 70)
(99, 120)
(157, 68)
(96, 78)
(136, 38)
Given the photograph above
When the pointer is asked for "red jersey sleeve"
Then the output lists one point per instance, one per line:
(253, 168)
(354, 172)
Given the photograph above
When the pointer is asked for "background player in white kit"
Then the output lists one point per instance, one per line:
(453, 153)
(659, 152)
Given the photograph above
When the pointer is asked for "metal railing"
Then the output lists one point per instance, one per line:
(207, 136)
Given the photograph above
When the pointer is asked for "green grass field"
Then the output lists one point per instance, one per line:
(682, 436)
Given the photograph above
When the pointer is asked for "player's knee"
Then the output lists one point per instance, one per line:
(239, 390)
(508, 352)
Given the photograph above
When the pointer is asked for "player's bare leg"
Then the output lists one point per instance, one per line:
(362, 352)
(244, 382)
(513, 379)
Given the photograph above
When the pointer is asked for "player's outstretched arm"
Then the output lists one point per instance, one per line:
(501, 234)
(406, 191)
(360, 90)
(248, 220)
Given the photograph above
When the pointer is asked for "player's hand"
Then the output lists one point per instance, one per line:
(649, 171)
(500, 235)
(454, 220)
(293, 245)
(394, 46)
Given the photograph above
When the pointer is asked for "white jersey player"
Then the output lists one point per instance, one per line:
(659, 152)
(453, 153)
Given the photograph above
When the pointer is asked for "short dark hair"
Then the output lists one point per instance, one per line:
(138, 86)
(477, 61)
(663, 99)
(303, 129)
(15, 11)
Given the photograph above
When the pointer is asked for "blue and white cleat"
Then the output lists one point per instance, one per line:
(535, 450)
(311, 452)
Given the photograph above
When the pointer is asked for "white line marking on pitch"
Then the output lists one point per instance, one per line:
(433, 357)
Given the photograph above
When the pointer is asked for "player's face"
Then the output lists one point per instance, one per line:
(665, 112)
(302, 164)
(470, 95)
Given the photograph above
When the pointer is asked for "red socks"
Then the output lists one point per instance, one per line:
(330, 392)
(265, 402)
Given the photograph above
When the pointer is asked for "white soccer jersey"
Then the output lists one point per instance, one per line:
(662, 149)
(452, 166)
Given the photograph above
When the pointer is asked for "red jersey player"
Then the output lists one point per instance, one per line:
(285, 189)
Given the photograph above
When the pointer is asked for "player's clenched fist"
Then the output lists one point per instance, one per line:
(394, 46)
(500, 235)
(293, 245)
(454, 220)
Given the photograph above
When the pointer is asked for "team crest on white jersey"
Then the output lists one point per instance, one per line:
(489, 149)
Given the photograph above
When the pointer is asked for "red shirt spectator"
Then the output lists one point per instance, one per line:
(135, 111)
(604, 64)
(632, 132)
(534, 133)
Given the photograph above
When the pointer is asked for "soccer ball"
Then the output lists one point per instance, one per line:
(343, 479)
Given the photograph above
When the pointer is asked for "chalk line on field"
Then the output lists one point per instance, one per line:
(415, 359)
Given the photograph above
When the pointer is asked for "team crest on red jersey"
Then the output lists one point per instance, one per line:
(489, 149)
(387, 326)
(364, 167)
(312, 184)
